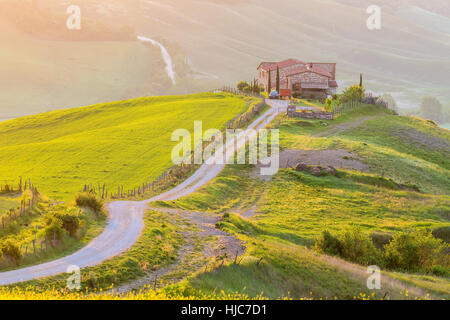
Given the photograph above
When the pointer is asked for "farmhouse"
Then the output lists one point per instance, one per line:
(298, 77)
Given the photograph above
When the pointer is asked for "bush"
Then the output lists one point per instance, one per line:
(352, 245)
(329, 244)
(380, 240)
(54, 228)
(11, 251)
(440, 271)
(241, 85)
(70, 222)
(358, 247)
(328, 103)
(442, 233)
(416, 251)
(88, 200)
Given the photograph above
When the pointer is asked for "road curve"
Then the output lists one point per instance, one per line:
(125, 220)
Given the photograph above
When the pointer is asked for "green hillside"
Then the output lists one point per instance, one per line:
(125, 142)
(281, 219)
(391, 182)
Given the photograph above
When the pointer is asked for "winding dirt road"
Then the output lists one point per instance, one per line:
(125, 221)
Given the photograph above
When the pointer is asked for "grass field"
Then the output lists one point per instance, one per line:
(31, 225)
(286, 213)
(155, 249)
(126, 142)
(294, 208)
(408, 150)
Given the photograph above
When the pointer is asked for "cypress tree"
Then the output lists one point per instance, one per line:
(269, 86)
(278, 80)
(361, 80)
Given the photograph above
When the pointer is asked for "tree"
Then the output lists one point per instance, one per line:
(431, 108)
(10, 251)
(269, 86)
(354, 93)
(278, 79)
(255, 87)
(241, 85)
(361, 80)
(391, 104)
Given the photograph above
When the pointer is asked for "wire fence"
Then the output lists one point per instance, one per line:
(26, 204)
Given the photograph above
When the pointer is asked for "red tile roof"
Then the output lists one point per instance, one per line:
(282, 64)
(303, 69)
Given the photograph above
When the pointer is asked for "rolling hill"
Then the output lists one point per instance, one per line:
(126, 142)
(380, 190)
(280, 219)
(221, 42)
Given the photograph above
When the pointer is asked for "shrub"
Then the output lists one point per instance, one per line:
(70, 222)
(54, 228)
(328, 103)
(241, 85)
(353, 93)
(358, 247)
(89, 200)
(416, 251)
(380, 240)
(442, 233)
(11, 251)
(440, 271)
(329, 244)
(352, 245)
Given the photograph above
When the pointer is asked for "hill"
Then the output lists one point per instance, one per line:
(391, 180)
(121, 143)
(40, 75)
(228, 39)
(400, 185)
(216, 42)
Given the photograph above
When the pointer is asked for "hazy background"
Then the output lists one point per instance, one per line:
(44, 66)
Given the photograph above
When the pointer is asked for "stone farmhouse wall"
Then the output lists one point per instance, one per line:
(308, 77)
(291, 112)
(288, 82)
(263, 76)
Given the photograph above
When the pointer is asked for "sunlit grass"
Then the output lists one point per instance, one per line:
(120, 143)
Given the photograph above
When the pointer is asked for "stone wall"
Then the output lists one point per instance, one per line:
(307, 77)
(310, 115)
(287, 82)
(263, 76)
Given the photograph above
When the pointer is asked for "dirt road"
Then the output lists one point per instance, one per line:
(125, 221)
(339, 128)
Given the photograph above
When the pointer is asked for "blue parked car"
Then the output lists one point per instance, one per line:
(274, 94)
